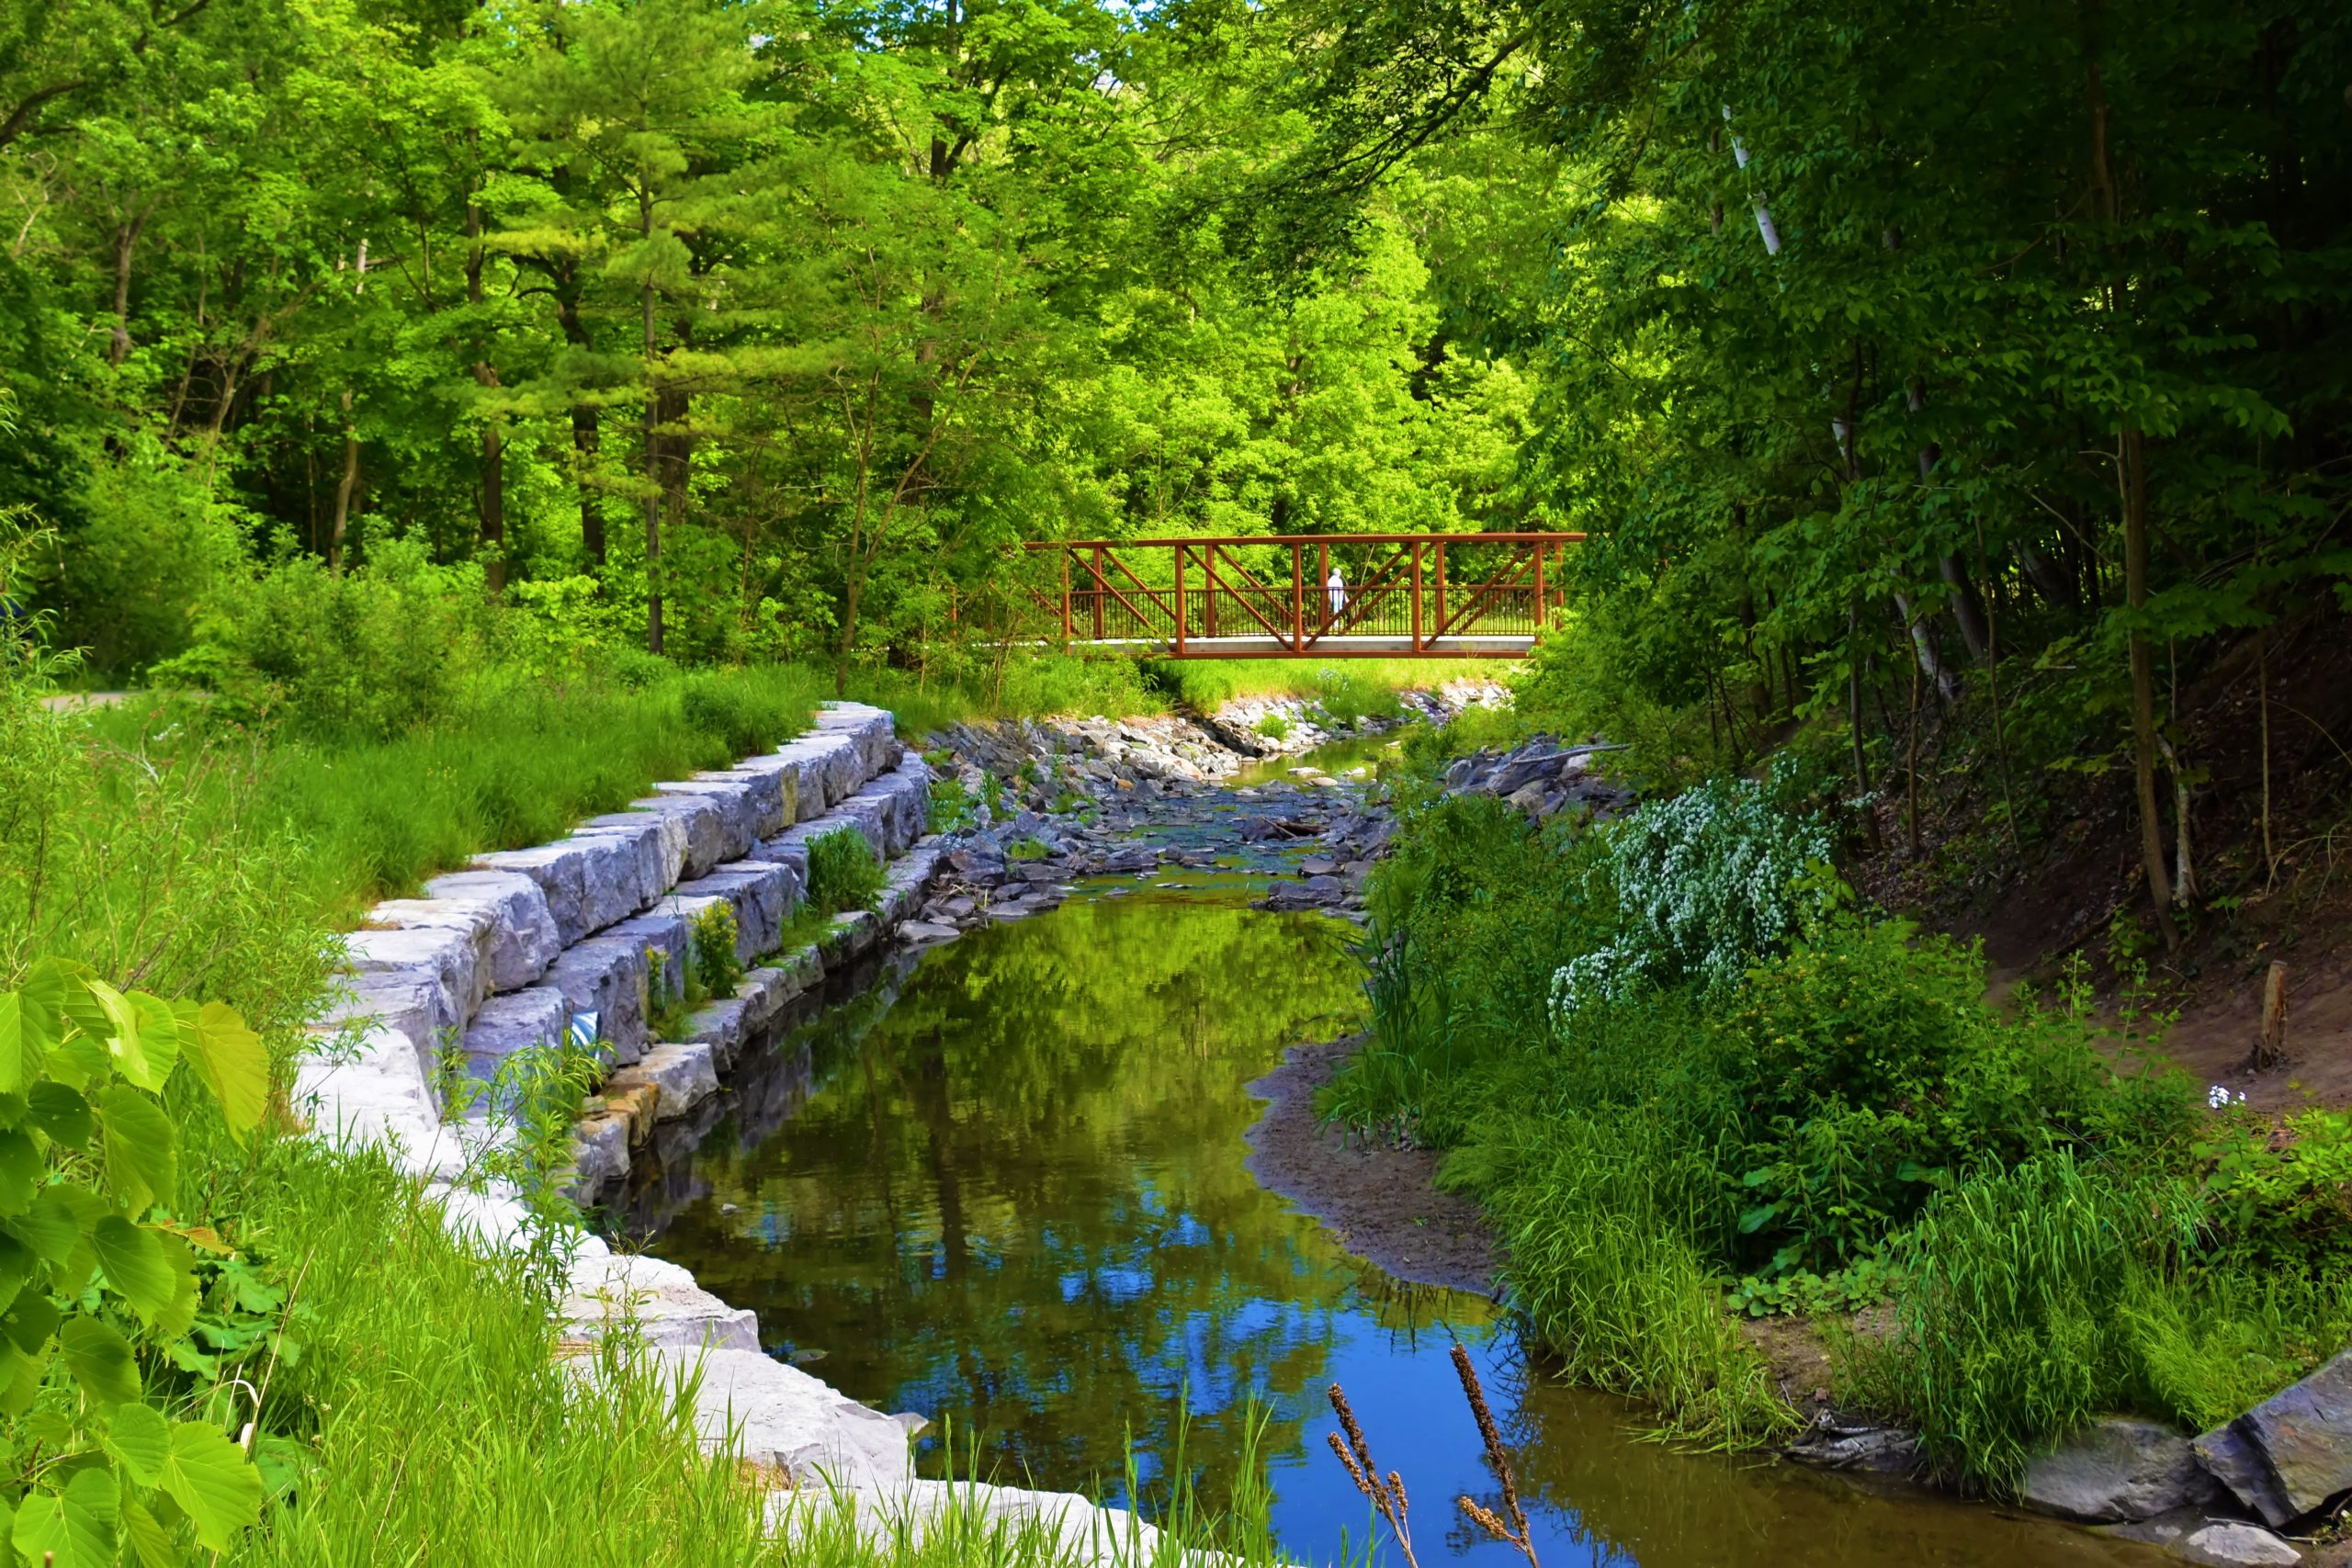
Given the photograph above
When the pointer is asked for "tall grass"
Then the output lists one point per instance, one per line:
(1206, 684)
(517, 762)
(2041, 1295)
(1601, 1217)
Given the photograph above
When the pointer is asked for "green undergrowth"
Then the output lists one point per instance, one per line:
(410, 1400)
(1693, 1080)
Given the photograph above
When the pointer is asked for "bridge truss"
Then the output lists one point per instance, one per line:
(1268, 596)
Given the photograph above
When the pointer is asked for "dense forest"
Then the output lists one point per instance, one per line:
(762, 332)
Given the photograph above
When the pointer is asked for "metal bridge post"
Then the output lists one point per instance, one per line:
(1297, 599)
(1541, 616)
(1066, 633)
(1322, 576)
(1180, 601)
(1101, 582)
(1417, 596)
(1440, 588)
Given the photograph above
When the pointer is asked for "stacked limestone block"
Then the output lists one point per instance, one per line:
(588, 936)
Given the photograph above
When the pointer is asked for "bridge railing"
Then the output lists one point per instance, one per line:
(1267, 596)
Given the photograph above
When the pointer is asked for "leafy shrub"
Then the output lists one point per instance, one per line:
(1275, 726)
(102, 1267)
(358, 655)
(843, 873)
(718, 968)
(746, 715)
(1704, 883)
(2282, 1206)
(1348, 699)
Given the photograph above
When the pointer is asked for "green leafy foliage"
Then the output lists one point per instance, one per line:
(718, 969)
(98, 1278)
(844, 871)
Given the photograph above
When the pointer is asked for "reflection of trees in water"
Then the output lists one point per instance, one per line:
(1017, 1198)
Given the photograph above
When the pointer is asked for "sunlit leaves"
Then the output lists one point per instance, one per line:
(213, 1483)
(230, 1060)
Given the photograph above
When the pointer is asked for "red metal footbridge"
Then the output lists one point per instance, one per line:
(1292, 595)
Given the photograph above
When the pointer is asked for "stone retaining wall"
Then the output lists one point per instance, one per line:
(512, 951)
(590, 934)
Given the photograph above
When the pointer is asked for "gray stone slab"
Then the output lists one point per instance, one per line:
(446, 959)
(2118, 1469)
(871, 728)
(702, 827)
(749, 807)
(532, 1019)
(656, 1301)
(589, 881)
(657, 846)
(526, 940)
(684, 1074)
(609, 975)
(762, 895)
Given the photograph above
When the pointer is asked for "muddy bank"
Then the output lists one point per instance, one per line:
(1379, 1201)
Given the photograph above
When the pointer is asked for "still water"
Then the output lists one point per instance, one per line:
(1011, 1197)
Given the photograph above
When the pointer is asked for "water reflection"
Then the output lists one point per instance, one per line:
(1014, 1197)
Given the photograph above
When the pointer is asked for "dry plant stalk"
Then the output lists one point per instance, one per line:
(1514, 1528)
(1388, 1495)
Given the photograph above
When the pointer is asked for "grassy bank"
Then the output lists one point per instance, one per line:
(1692, 1079)
(412, 1400)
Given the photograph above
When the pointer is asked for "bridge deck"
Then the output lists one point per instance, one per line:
(1301, 595)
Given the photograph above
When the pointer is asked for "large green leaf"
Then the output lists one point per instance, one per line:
(24, 1043)
(29, 1321)
(60, 1112)
(214, 1482)
(20, 1169)
(73, 1529)
(100, 1360)
(141, 1440)
(18, 1264)
(230, 1058)
(148, 1540)
(144, 1035)
(48, 984)
(132, 1256)
(179, 1315)
(142, 1161)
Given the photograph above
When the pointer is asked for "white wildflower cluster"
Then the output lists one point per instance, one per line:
(2219, 1097)
(1705, 882)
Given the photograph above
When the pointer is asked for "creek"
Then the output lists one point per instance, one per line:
(1005, 1189)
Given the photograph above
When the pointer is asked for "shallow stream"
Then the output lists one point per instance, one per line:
(1007, 1191)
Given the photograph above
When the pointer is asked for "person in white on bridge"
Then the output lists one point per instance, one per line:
(1338, 589)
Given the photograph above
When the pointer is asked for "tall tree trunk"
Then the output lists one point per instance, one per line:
(1967, 609)
(2132, 475)
(344, 486)
(491, 491)
(652, 450)
(584, 437)
(126, 238)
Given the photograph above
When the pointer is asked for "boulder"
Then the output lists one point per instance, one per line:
(2115, 1470)
(658, 1301)
(372, 1092)
(872, 729)
(2227, 1543)
(2290, 1455)
(524, 941)
(783, 1420)
(760, 894)
(703, 825)
(610, 975)
(656, 843)
(599, 1156)
(590, 881)
(684, 1075)
(750, 806)
(532, 1019)
(446, 959)
(829, 769)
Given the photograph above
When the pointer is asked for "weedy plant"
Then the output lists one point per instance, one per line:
(1387, 1491)
(843, 873)
(718, 966)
